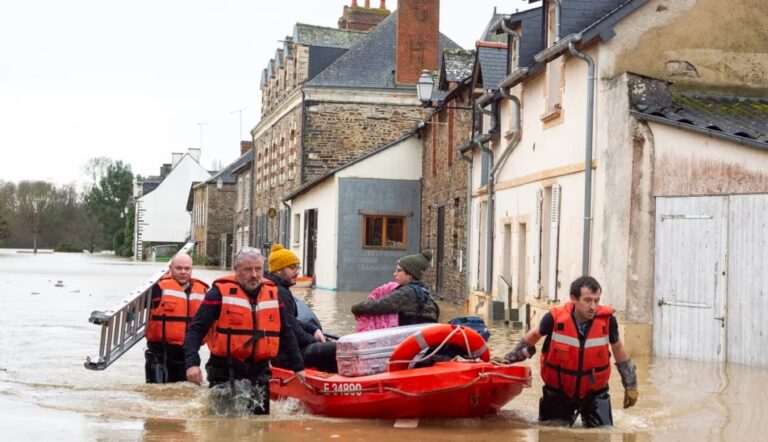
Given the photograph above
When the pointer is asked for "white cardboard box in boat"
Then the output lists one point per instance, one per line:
(366, 353)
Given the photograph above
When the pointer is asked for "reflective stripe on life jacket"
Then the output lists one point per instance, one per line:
(168, 321)
(243, 330)
(577, 366)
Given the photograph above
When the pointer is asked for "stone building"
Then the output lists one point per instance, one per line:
(243, 200)
(444, 176)
(332, 95)
(212, 204)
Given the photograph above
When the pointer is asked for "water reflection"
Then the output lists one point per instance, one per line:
(46, 393)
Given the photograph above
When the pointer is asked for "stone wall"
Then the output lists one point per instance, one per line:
(276, 163)
(336, 133)
(444, 184)
(221, 211)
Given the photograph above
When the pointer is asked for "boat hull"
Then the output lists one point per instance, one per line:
(445, 390)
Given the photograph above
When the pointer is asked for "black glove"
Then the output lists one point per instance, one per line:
(521, 352)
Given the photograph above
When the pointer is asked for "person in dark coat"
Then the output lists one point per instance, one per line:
(411, 300)
(284, 268)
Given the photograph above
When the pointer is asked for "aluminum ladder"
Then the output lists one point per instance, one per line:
(125, 324)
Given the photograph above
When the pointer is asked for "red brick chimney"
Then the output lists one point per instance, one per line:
(417, 43)
(245, 146)
(362, 18)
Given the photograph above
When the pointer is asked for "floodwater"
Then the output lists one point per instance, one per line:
(47, 394)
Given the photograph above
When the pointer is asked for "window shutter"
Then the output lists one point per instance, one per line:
(536, 246)
(553, 242)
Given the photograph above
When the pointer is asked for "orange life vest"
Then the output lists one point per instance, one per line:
(577, 366)
(246, 331)
(168, 321)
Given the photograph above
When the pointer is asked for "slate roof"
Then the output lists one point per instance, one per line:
(492, 36)
(591, 18)
(311, 35)
(227, 174)
(456, 66)
(370, 62)
(493, 66)
(739, 119)
(532, 41)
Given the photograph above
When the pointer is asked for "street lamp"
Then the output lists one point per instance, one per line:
(424, 87)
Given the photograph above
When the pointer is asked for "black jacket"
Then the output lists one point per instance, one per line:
(304, 332)
(211, 309)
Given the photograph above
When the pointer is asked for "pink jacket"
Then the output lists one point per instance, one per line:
(375, 322)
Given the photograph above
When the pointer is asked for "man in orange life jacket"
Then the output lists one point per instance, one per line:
(244, 326)
(175, 299)
(575, 359)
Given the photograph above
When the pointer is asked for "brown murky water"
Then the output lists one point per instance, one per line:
(46, 394)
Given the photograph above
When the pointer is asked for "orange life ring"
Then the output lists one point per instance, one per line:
(434, 336)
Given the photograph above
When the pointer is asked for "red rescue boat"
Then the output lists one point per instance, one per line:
(458, 389)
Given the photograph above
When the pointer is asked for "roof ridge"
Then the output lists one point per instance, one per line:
(331, 28)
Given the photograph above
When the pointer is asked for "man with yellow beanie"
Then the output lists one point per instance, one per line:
(284, 268)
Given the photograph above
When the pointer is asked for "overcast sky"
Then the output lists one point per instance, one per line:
(133, 80)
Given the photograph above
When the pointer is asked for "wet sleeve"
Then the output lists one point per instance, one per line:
(613, 330)
(198, 328)
(289, 347)
(547, 324)
(309, 327)
(389, 304)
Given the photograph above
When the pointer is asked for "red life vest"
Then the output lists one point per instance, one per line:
(168, 321)
(246, 331)
(577, 366)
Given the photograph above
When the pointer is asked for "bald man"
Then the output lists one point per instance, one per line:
(175, 300)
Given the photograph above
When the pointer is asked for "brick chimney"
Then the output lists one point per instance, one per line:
(245, 146)
(417, 43)
(362, 18)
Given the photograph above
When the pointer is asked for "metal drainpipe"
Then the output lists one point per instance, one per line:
(515, 137)
(588, 155)
(514, 34)
(516, 64)
(558, 5)
(468, 226)
(480, 142)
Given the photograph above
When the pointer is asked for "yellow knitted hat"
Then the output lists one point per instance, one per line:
(280, 258)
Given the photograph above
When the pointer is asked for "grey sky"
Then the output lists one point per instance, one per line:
(132, 80)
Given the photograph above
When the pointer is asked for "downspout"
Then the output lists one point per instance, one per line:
(287, 224)
(558, 5)
(588, 155)
(489, 221)
(468, 226)
(505, 93)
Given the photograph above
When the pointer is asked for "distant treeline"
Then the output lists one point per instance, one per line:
(98, 216)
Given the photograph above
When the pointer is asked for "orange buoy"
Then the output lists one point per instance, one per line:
(438, 334)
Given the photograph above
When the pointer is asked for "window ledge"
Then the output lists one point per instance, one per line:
(551, 114)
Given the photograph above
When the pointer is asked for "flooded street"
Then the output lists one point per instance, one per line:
(47, 394)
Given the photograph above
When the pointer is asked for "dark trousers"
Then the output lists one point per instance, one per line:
(594, 409)
(321, 356)
(223, 374)
(318, 355)
(164, 365)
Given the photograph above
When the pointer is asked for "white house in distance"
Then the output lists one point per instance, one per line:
(351, 225)
(161, 215)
